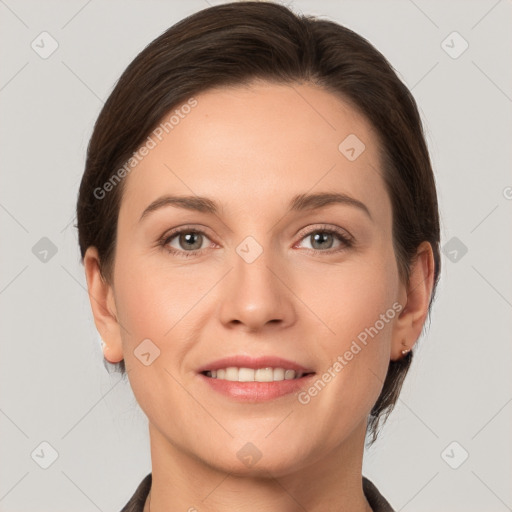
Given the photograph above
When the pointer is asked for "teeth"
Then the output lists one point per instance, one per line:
(243, 374)
(251, 375)
(231, 374)
(290, 374)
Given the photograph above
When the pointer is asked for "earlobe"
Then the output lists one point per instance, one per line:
(103, 307)
(410, 322)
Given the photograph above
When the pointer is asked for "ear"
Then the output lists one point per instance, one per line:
(415, 298)
(103, 307)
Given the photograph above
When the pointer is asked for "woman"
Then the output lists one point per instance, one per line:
(232, 148)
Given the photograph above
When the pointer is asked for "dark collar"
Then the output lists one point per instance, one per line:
(374, 497)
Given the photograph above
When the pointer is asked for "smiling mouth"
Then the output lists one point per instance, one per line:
(268, 374)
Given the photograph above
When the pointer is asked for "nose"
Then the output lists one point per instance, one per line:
(258, 293)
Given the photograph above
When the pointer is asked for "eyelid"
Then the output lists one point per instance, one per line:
(345, 237)
(199, 228)
(196, 228)
(325, 228)
(186, 228)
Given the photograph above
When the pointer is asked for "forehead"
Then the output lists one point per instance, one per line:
(260, 145)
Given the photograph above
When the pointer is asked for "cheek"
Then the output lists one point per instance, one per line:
(139, 303)
(352, 297)
(157, 301)
(140, 294)
(358, 309)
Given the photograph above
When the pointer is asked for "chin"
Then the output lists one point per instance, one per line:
(260, 459)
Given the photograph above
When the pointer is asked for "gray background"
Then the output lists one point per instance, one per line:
(53, 385)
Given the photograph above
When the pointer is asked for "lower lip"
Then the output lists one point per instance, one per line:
(257, 391)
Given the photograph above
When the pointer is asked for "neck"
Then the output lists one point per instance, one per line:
(181, 481)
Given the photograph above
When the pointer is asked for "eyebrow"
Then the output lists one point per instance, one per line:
(300, 202)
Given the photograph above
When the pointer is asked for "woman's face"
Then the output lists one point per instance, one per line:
(266, 276)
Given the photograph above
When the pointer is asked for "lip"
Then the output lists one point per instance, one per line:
(244, 361)
(257, 391)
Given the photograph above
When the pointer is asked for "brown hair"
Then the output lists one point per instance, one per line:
(231, 45)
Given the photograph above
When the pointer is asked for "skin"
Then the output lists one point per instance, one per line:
(252, 149)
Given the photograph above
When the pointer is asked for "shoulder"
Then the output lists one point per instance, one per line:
(375, 498)
(137, 501)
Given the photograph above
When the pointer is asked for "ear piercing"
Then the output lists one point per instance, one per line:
(406, 351)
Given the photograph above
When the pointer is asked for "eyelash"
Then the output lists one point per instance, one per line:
(346, 240)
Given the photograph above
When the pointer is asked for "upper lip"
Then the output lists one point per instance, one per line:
(243, 361)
